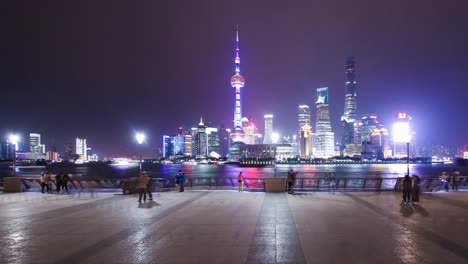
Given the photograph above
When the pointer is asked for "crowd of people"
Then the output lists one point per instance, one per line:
(61, 182)
(411, 188)
(450, 179)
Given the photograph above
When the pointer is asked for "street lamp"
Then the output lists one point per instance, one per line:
(14, 139)
(140, 138)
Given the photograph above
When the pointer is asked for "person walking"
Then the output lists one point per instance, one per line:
(142, 183)
(42, 181)
(455, 177)
(180, 179)
(65, 179)
(406, 189)
(415, 189)
(240, 180)
(58, 181)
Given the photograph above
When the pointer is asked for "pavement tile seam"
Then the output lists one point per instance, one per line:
(437, 239)
(85, 253)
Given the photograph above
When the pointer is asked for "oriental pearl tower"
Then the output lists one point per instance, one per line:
(237, 82)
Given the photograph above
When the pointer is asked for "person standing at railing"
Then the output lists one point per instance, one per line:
(291, 181)
(406, 189)
(415, 189)
(58, 181)
(240, 180)
(48, 181)
(65, 179)
(180, 180)
(142, 183)
(42, 180)
(455, 177)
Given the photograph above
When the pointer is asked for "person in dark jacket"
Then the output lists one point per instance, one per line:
(291, 181)
(415, 189)
(406, 189)
(149, 189)
(180, 180)
(58, 181)
(65, 179)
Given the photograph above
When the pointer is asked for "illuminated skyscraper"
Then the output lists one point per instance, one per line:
(267, 138)
(304, 116)
(305, 131)
(324, 137)
(81, 148)
(35, 145)
(369, 123)
(349, 115)
(237, 82)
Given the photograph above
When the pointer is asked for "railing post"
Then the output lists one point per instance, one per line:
(364, 185)
(345, 183)
(380, 184)
(318, 183)
(302, 184)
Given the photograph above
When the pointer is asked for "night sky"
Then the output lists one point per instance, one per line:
(103, 69)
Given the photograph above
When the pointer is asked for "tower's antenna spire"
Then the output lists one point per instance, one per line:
(237, 59)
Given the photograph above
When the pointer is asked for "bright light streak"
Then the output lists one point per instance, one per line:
(140, 137)
(275, 138)
(14, 139)
(401, 132)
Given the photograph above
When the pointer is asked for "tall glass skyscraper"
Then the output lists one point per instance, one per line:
(267, 138)
(349, 115)
(305, 132)
(324, 137)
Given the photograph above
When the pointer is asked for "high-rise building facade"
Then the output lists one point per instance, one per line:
(369, 123)
(68, 151)
(81, 148)
(324, 137)
(237, 82)
(349, 115)
(267, 138)
(201, 141)
(305, 132)
(35, 145)
(249, 130)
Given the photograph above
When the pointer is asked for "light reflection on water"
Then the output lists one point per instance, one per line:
(103, 170)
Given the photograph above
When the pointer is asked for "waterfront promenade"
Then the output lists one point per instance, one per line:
(231, 227)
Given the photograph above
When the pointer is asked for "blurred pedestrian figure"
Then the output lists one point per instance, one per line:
(446, 181)
(65, 179)
(406, 189)
(455, 177)
(142, 183)
(331, 182)
(180, 180)
(58, 181)
(416, 188)
(42, 180)
(240, 180)
(48, 181)
(149, 188)
(291, 181)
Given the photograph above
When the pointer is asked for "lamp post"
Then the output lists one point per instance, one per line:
(140, 138)
(407, 157)
(14, 139)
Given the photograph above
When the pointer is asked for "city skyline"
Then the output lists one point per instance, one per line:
(104, 91)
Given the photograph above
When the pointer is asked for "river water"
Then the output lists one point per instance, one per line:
(104, 170)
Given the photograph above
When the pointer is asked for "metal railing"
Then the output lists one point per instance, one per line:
(254, 184)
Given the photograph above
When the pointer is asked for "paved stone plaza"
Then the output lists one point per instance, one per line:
(231, 227)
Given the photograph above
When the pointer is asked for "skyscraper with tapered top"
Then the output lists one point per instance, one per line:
(237, 82)
(349, 115)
